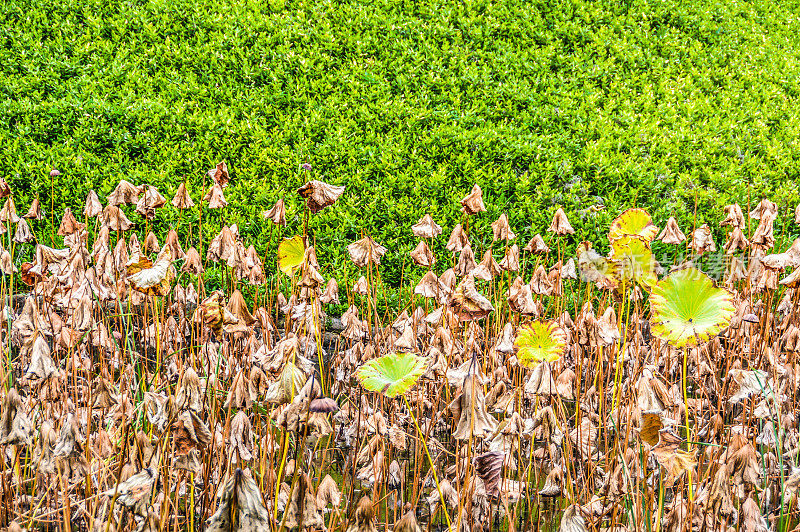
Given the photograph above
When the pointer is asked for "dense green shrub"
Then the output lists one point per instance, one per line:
(678, 107)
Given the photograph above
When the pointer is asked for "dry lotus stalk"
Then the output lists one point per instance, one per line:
(457, 240)
(671, 234)
(473, 202)
(366, 251)
(537, 245)
(422, 255)
(426, 228)
(277, 214)
(319, 194)
(560, 224)
(501, 230)
(182, 200)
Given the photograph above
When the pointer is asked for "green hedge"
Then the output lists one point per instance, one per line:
(664, 105)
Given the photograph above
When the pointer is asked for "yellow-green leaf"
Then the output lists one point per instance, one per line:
(290, 254)
(633, 222)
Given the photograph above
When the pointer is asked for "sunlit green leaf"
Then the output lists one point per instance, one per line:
(290, 254)
(633, 222)
(538, 341)
(688, 309)
(392, 374)
(634, 261)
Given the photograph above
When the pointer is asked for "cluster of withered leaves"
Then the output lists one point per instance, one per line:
(139, 402)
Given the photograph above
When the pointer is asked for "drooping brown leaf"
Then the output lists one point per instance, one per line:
(467, 303)
(501, 230)
(489, 467)
(277, 214)
(125, 192)
(671, 234)
(560, 224)
(319, 194)
(366, 251)
(240, 506)
(182, 200)
(220, 174)
(473, 202)
(426, 228)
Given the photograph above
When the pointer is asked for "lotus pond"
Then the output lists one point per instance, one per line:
(522, 389)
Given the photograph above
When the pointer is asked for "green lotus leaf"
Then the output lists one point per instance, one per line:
(290, 254)
(633, 222)
(634, 261)
(538, 341)
(688, 310)
(392, 374)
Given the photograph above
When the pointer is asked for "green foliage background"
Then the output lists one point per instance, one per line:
(679, 107)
